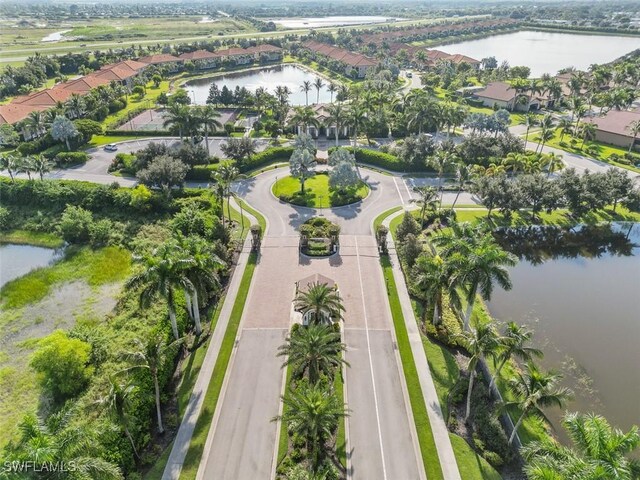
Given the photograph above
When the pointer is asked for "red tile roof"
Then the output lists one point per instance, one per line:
(46, 98)
(199, 55)
(340, 54)
(158, 59)
(13, 113)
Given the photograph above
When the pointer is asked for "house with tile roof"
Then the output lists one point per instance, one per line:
(355, 64)
(164, 59)
(499, 95)
(614, 128)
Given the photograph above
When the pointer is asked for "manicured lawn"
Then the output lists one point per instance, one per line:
(317, 193)
(261, 220)
(27, 237)
(96, 267)
(602, 150)
(194, 454)
(101, 140)
(380, 218)
(423, 426)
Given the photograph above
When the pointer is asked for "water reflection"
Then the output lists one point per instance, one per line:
(537, 244)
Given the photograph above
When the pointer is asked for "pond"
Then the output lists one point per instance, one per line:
(18, 260)
(333, 21)
(269, 78)
(546, 52)
(578, 289)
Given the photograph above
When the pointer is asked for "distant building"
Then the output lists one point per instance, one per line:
(613, 128)
(355, 64)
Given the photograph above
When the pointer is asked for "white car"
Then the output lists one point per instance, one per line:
(112, 147)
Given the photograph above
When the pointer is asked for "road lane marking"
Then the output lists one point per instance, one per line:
(373, 380)
(398, 190)
(408, 191)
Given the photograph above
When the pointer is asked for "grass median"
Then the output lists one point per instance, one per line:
(421, 418)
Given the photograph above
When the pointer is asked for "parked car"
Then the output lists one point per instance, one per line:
(112, 147)
(409, 74)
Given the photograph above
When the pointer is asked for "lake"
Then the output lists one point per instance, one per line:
(579, 292)
(18, 260)
(546, 52)
(269, 78)
(334, 21)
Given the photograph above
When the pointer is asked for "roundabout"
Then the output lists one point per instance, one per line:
(317, 192)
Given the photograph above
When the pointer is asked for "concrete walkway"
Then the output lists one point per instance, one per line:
(436, 418)
(192, 412)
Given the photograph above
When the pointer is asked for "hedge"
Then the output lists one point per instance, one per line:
(387, 161)
(201, 173)
(270, 155)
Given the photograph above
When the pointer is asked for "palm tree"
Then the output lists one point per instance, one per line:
(463, 175)
(318, 84)
(332, 89)
(41, 165)
(514, 344)
(588, 130)
(566, 126)
(427, 201)
(25, 165)
(304, 116)
(75, 105)
(530, 121)
(57, 440)
(314, 414)
(481, 342)
(306, 88)
(599, 451)
(357, 119)
(535, 390)
(10, 163)
(163, 272)
(552, 162)
(36, 121)
(315, 349)
(203, 274)
(337, 115)
(151, 356)
(224, 177)
(477, 266)
(177, 116)
(634, 129)
(547, 131)
(432, 280)
(442, 161)
(208, 116)
(118, 402)
(282, 93)
(321, 302)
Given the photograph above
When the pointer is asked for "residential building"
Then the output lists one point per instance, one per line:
(326, 126)
(497, 95)
(163, 59)
(354, 64)
(202, 59)
(614, 128)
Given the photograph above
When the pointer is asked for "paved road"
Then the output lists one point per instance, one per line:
(382, 438)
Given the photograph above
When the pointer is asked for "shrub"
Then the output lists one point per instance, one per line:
(201, 173)
(75, 224)
(270, 155)
(4, 218)
(62, 364)
(104, 232)
(68, 159)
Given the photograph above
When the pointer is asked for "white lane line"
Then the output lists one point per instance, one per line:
(408, 191)
(398, 190)
(373, 380)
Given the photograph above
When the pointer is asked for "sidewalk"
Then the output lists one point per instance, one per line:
(438, 426)
(185, 432)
